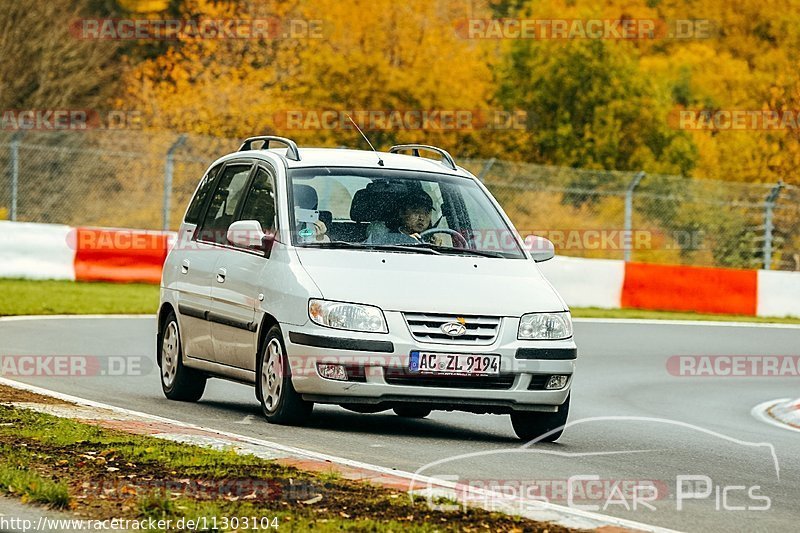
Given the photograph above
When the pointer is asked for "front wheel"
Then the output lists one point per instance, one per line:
(532, 425)
(177, 381)
(280, 403)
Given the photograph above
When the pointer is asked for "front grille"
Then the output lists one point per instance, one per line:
(498, 382)
(426, 327)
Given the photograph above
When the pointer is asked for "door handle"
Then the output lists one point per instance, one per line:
(221, 273)
(185, 266)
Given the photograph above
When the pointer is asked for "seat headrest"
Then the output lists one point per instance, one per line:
(305, 197)
(375, 201)
(368, 206)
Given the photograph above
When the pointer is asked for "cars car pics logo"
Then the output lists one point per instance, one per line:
(454, 329)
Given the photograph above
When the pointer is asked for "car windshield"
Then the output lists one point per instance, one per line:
(396, 210)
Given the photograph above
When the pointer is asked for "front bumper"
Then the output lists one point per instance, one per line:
(385, 358)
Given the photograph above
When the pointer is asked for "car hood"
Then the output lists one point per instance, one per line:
(434, 284)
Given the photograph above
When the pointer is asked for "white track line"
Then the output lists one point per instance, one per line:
(760, 413)
(566, 516)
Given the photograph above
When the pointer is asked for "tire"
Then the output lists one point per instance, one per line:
(412, 411)
(280, 403)
(531, 425)
(177, 381)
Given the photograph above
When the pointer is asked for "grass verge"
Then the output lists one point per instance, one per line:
(28, 297)
(102, 474)
(54, 297)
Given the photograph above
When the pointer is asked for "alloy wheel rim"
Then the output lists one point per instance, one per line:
(272, 375)
(170, 348)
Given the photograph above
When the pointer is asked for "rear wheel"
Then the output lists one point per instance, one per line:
(177, 381)
(532, 425)
(280, 403)
(412, 411)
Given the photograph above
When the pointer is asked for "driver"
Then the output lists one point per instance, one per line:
(415, 214)
(413, 217)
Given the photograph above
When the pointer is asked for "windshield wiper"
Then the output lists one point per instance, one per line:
(466, 251)
(365, 246)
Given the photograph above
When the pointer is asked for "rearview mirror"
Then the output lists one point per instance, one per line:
(248, 234)
(541, 249)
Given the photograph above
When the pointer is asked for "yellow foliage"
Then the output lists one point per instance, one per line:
(383, 55)
(373, 56)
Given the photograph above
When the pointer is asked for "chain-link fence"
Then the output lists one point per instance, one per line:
(648, 217)
(123, 178)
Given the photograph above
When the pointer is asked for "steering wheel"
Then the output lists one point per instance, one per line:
(453, 233)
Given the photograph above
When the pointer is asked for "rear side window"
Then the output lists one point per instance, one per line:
(199, 200)
(229, 192)
(260, 203)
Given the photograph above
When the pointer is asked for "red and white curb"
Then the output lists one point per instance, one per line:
(783, 413)
(118, 418)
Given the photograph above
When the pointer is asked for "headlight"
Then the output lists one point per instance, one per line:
(545, 326)
(342, 315)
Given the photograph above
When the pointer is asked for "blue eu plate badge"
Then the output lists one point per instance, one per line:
(413, 362)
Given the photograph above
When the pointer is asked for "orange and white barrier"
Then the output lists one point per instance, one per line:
(120, 255)
(614, 284)
(689, 288)
(35, 251)
(50, 251)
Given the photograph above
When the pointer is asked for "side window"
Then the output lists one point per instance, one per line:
(260, 202)
(226, 198)
(434, 190)
(199, 200)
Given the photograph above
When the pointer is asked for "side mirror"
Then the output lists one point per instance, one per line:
(248, 234)
(541, 249)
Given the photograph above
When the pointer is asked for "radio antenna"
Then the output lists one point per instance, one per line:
(380, 161)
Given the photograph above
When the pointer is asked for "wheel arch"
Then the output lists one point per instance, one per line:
(163, 313)
(267, 321)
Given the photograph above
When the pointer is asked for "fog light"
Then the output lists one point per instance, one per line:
(557, 382)
(332, 371)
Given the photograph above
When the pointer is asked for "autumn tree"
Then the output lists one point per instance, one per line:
(44, 66)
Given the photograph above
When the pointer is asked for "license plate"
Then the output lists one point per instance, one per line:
(454, 363)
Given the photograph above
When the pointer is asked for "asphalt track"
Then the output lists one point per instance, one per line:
(632, 422)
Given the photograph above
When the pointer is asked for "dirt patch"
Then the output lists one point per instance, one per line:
(12, 395)
(106, 480)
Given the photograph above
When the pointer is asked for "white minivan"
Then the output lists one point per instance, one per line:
(364, 279)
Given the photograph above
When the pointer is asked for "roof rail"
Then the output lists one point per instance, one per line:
(415, 148)
(292, 151)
